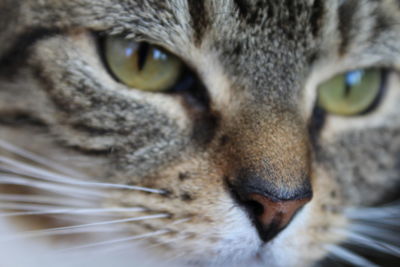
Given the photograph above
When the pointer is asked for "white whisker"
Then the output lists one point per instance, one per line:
(61, 189)
(374, 214)
(383, 221)
(33, 171)
(368, 242)
(82, 227)
(348, 256)
(43, 200)
(142, 218)
(181, 237)
(44, 233)
(180, 221)
(116, 241)
(375, 231)
(122, 247)
(27, 207)
(36, 158)
(120, 186)
(175, 258)
(37, 173)
(98, 212)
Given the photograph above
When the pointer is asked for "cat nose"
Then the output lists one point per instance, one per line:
(269, 209)
(271, 216)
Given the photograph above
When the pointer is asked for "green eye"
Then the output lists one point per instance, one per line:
(351, 93)
(141, 65)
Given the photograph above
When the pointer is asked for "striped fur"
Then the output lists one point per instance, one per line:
(259, 63)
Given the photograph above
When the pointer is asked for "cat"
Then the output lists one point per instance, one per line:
(202, 133)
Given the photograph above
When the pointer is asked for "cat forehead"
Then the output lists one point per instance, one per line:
(273, 35)
(261, 45)
(189, 19)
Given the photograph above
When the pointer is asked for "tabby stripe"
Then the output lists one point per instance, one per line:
(200, 19)
(17, 118)
(317, 17)
(252, 11)
(382, 23)
(315, 125)
(243, 8)
(16, 56)
(346, 13)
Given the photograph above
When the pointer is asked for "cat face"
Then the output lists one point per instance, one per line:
(243, 166)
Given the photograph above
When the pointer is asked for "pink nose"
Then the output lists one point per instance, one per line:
(269, 207)
(273, 216)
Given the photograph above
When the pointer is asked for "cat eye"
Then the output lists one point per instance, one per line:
(141, 65)
(352, 93)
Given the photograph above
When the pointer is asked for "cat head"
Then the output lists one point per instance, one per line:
(238, 159)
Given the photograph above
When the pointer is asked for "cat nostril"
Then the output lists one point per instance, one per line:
(271, 216)
(254, 207)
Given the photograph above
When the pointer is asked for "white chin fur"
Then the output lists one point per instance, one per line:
(238, 248)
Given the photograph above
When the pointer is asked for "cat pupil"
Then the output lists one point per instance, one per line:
(143, 53)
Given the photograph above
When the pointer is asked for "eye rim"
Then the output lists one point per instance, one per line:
(382, 90)
(384, 75)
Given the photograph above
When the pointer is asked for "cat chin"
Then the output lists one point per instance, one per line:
(240, 247)
(247, 250)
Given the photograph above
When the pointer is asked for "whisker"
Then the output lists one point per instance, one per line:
(391, 211)
(54, 177)
(122, 247)
(71, 229)
(349, 256)
(384, 222)
(142, 218)
(42, 200)
(44, 233)
(61, 189)
(116, 241)
(175, 240)
(175, 258)
(375, 231)
(33, 171)
(120, 186)
(36, 158)
(99, 212)
(28, 207)
(179, 221)
(367, 242)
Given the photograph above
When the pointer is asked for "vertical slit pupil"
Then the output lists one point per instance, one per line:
(347, 90)
(142, 55)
